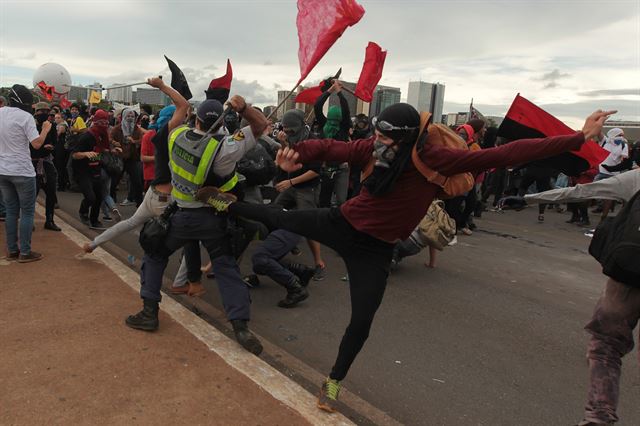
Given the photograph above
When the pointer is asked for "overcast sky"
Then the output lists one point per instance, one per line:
(570, 56)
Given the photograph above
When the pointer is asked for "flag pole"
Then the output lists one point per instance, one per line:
(284, 100)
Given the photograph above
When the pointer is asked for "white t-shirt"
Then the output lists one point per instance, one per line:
(616, 154)
(17, 131)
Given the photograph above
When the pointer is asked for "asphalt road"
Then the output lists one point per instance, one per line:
(492, 336)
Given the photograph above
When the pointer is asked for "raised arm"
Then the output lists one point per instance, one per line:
(345, 123)
(620, 188)
(182, 105)
(317, 108)
(448, 161)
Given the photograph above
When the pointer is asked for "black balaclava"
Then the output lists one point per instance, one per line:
(383, 178)
(21, 97)
(294, 120)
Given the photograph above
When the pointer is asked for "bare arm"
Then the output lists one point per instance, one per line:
(39, 141)
(257, 120)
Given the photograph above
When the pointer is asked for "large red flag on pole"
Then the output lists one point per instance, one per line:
(526, 120)
(371, 72)
(320, 23)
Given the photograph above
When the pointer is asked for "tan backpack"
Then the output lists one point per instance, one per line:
(439, 134)
(437, 228)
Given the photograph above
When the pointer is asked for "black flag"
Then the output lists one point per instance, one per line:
(178, 80)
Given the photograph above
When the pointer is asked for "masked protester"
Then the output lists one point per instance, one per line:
(128, 137)
(299, 189)
(87, 168)
(158, 195)
(17, 177)
(334, 177)
(394, 199)
(46, 175)
(616, 144)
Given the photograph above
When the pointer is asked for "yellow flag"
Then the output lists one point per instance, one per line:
(95, 97)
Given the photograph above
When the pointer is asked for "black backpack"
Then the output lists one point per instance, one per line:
(257, 166)
(616, 244)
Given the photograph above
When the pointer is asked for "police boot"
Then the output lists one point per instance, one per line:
(304, 272)
(147, 318)
(246, 338)
(296, 293)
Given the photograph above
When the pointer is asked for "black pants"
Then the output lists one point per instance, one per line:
(61, 156)
(48, 183)
(91, 188)
(543, 183)
(136, 183)
(454, 208)
(367, 260)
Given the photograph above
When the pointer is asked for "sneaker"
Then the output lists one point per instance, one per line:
(320, 273)
(127, 202)
(31, 257)
(466, 231)
(216, 199)
(97, 226)
(116, 214)
(454, 241)
(107, 218)
(540, 218)
(190, 289)
(329, 395)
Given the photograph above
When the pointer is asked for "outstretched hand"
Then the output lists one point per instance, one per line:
(593, 124)
(287, 160)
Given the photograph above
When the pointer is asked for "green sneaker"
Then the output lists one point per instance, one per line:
(329, 395)
(215, 198)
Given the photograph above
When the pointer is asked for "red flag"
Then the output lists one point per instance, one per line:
(64, 102)
(309, 96)
(371, 72)
(220, 87)
(47, 91)
(320, 23)
(526, 120)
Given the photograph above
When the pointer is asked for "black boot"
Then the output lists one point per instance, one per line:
(51, 226)
(147, 318)
(304, 272)
(296, 293)
(246, 338)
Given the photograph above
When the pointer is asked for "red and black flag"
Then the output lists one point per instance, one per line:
(178, 80)
(525, 120)
(46, 90)
(220, 87)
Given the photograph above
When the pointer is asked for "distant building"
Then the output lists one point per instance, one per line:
(425, 96)
(383, 97)
(268, 110)
(123, 95)
(151, 96)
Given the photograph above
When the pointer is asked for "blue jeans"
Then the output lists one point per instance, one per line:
(19, 195)
(3, 211)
